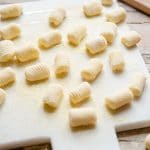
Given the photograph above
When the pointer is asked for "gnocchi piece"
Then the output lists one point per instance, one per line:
(11, 11)
(92, 8)
(57, 16)
(27, 53)
(2, 96)
(7, 76)
(131, 38)
(116, 61)
(109, 31)
(107, 2)
(117, 15)
(50, 39)
(81, 93)
(147, 142)
(76, 35)
(11, 31)
(37, 72)
(6, 51)
(137, 84)
(82, 117)
(118, 100)
(96, 45)
(91, 71)
(53, 96)
(61, 64)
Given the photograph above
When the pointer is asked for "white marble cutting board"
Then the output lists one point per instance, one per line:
(23, 120)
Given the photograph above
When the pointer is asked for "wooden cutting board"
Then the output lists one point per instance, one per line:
(143, 5)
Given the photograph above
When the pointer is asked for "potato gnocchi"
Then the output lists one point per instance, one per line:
(109, 31)
(92, 8)
(116, 15)
(119, 99)
(7, 76)
(96, 45)
(27, 53)
(82, 117)
(76, 35)
(137, 84)
(107, 2)
(130, 38)
(10, 31)
(37, 72)
(2, 96)
(92, 70)
(116, 61)
(57, 16)
(11, 11)
(61, 64)
(81, 93)
(6, 51)
(50, 39)
(53, 96)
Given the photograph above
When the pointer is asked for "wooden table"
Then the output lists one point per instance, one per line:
(134, 139)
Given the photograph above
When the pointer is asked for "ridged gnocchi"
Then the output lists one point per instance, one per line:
(147, 142)
(7, 76)
(116, 61)
(130, 38)
(92, 8)
(11, 11)
(62, 64)
(119, 99)
(109, 31)
(37, 72)
(116, 15)
(10, 31)
(76, 35)
(97, 45)
(80, 94)
(27, 53)
(2, 96)
(53, 96)
(82, 117)
(6, 51)
(92, 70)
(57, 16)
(50, 39)
(107, 2)
(137, 84)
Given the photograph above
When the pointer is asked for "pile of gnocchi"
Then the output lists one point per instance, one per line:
(40, 71)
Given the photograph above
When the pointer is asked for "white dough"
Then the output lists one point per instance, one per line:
(6, 51)
(137, 84)
(50, 39)
(76, 35)
(80, 93)
(82, 117)
(11, 11)
(2, 96)
(147, 142)
(109, 31)
(107, 2)
(57, 16)
(130, 38)
(53, 96)
(62, 64)
(116, 15)
(119, 99)
(116, 61)
(27, 53)
(92, 8)
(7, 76)
(11, 31)
(96, 45)
(92, 70)
(37, 72)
